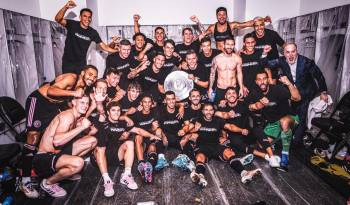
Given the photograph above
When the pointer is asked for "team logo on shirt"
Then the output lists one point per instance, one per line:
(117, 129)
(37, 123)
(150, 79)
(123, 66)
(249, 64)
(86, 38)
(146, 122)
(171, 122)
(208, 129)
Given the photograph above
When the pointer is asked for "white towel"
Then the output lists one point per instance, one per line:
(316, 108)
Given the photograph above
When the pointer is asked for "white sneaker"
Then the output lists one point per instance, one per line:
(247, 176)
(198, 179)
(247, 159)
(274, 162)
(53, 189)
(109, 190)
(191, 166)
(28, 189)
(129, 181)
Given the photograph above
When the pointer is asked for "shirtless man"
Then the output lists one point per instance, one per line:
(62, 146)
(223, 29)
(42, 106)
(228, 66)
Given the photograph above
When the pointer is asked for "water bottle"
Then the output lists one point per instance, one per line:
(212, 96)
(8, 200)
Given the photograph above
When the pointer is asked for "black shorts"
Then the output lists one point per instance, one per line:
(39, 111)
(211, 151)
(45, 163)
(173, 141)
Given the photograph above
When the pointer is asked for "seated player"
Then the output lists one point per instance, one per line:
(62, 147)
(115, 133)
(130, 103)
(273, 102)
(208, 131)
(147, 120)
(114, 91)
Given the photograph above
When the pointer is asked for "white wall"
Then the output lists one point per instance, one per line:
(49, 8)
(28, 7)
(310, 6)
(160, 12)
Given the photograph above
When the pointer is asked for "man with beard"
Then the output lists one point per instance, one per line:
(307, 77)
(150, 76)
(79, 37)
(147, 120)
(197, 73)
(228, 66)
(114, 132)
(207, 54)
(265, 37)
(223, 29)
(62, 146)
(236, 112)
(252, 61)
(208, 131)
(42, 106)
(159, 35)
(273, 102)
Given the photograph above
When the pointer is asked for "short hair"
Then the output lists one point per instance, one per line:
(147, 96)
(261, 72)
(290, 43)
(221, 9)
(90, 66)
(194, 90)
(207, 104)
(169, 41)
(186, 29)
(159, 27)
(85, 10)
(158, 53)
(169, 92)
(111, 70)
(84, 95)
(125, 42)
(113, 104)
(248, 35)
(138, 34)
(205, 39)
(101, 80)
(191, 51)
(134, 85)
(229, 39)
(231, 88)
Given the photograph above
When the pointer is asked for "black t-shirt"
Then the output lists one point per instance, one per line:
(241, 114)
(251, 65)
(271, 38)
(207, 61)
(182, 49)
(77, 42)
(169, 123)
(210, 131)
(149, 81)
(111, 92)
(192, 115)
(202, 73)
(168, 66)
(126, 104)
(111, 130)
(278, 106)
(123, 65)
(144, 121)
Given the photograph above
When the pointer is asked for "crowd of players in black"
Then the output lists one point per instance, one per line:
(78, 115)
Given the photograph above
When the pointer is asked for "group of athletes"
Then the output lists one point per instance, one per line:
(237, 107)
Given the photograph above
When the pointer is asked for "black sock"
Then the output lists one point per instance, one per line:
(200, 168)
(27, 159)
(236, 165)
(159, 147)
(141, 161)
(152, 158)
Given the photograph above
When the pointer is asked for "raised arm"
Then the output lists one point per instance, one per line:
(59, 18)
(59, 88)
(250, 23)
(136, 23)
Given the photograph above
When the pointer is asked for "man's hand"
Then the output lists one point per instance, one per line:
(191, 76)
(136, 18)
(268, 19)
(285, 80)
(148, 46)
(85, 123)
(245, 132)
(154, 137)
(183, 65)
(231, 114)
(181, 113)
(79, 93)
(243, 92)
(194, 18)
(70, 4)
(264, 101)
(181, 133)
(99, 96)
(222, 103)
(267, 49)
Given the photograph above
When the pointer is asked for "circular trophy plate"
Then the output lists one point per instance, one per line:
(178, 82)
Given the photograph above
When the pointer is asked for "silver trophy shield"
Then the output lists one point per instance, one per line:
(178, 82)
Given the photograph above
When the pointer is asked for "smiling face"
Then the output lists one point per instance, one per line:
(261, 80)
(159, 35)
(89, 76)
(133, 93)
(81, 105)
(208, 112)
(85, 19)
(187, 36)
(229, 46)
(290, 52)
(114, 113)
(191, 60)
(221, 16)
(140, 42)
(124, 51)
(158, 61)
(170, 101)
(195, 97)
(231, 96)
(113, 79)
(206, 47)
(168, 50)
(249, 44)
(146, 104)
(259, 27)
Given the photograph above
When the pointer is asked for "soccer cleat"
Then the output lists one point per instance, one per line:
(129, 181)
(247, 159)
(109, 190)
(53, 190)
(198, 179)
(145, 169)
(248, 176)
(161, 163)
(28, 189)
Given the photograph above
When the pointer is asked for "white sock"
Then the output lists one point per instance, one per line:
(106, 177)
(161, 156)
(25, 179)
(127, 170)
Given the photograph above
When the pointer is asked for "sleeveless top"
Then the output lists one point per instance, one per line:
(221, 36)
